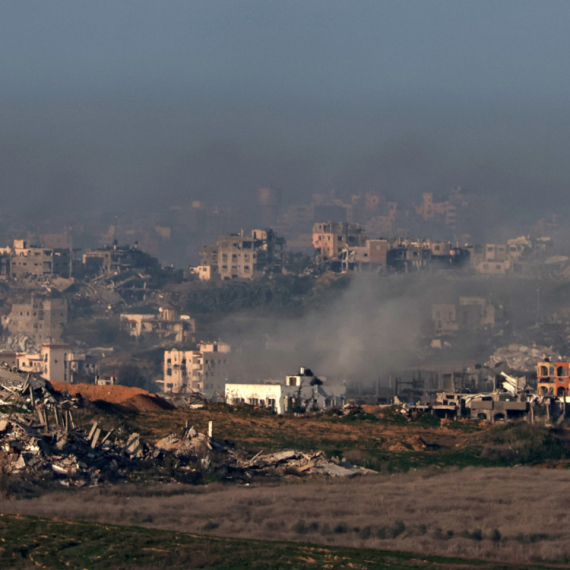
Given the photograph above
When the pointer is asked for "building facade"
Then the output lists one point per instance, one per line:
(241, 257)
(204, 370)
(42, 320)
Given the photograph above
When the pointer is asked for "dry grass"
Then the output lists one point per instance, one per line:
(516, 514)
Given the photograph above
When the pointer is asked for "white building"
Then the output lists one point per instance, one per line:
(302, 392)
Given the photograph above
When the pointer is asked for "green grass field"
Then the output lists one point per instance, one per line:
(28, 542)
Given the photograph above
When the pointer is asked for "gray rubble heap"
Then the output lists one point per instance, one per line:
(40, 442)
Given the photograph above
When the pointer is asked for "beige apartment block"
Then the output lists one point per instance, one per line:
(167, 325)
(57, 362)
(241, 256)
(204, 370)
(43, 320)
(330, 239)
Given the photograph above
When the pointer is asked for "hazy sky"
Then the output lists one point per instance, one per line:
(108, 101)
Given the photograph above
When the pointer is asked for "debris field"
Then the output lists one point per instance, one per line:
(41, 443)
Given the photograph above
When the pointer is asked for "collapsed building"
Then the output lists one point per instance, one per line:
(299, 393)
(117, 259)
(346, 247)
(468, 314)
(44, 443)
(511, 401)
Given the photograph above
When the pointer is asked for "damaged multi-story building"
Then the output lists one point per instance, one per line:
(117, 259)
(40, 319)
(167, 325)
(553, 379)
(58, 362)
(25, 260)
(501, 258)
(330, 239)
(468, 314)
(300, 392)
(401, 255)
(240, 256)
(204, 370)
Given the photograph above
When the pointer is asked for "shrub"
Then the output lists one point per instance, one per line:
(211, 525)
(475, 535)
(381, 533)
(440, 535)
(300, 527)
(496, 535)
(341, 528)
(397, 529)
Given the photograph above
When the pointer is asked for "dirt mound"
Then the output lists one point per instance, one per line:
(413, 443)
(145, 403)
(122, 395)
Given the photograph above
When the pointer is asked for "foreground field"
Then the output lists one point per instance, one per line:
(29, 542)
(514, 514)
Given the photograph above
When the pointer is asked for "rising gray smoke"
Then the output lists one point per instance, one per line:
(368, 331)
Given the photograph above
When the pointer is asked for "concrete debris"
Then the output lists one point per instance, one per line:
(39, 441)
(39, 437)
(296, 462)
(18, 343)
(521, 358)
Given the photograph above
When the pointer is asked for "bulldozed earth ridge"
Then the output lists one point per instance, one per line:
(27, 542)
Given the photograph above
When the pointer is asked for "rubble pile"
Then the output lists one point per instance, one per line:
(194, 446)
(297, 463)
(520, 357)
(18, 343)
(40, 441)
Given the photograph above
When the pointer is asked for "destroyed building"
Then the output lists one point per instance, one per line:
(116, 259)
(25, 260)
(238, 256)
(331, 238)
(491, 407)
(300, 392)
(408, 255)
(167, 325)
(43, 442)
(397, 254)
(204, 370)
(40, 319)
(468, 314)
(372, 255)
(553, 379)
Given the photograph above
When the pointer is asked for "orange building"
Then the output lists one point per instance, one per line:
(553, 379)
